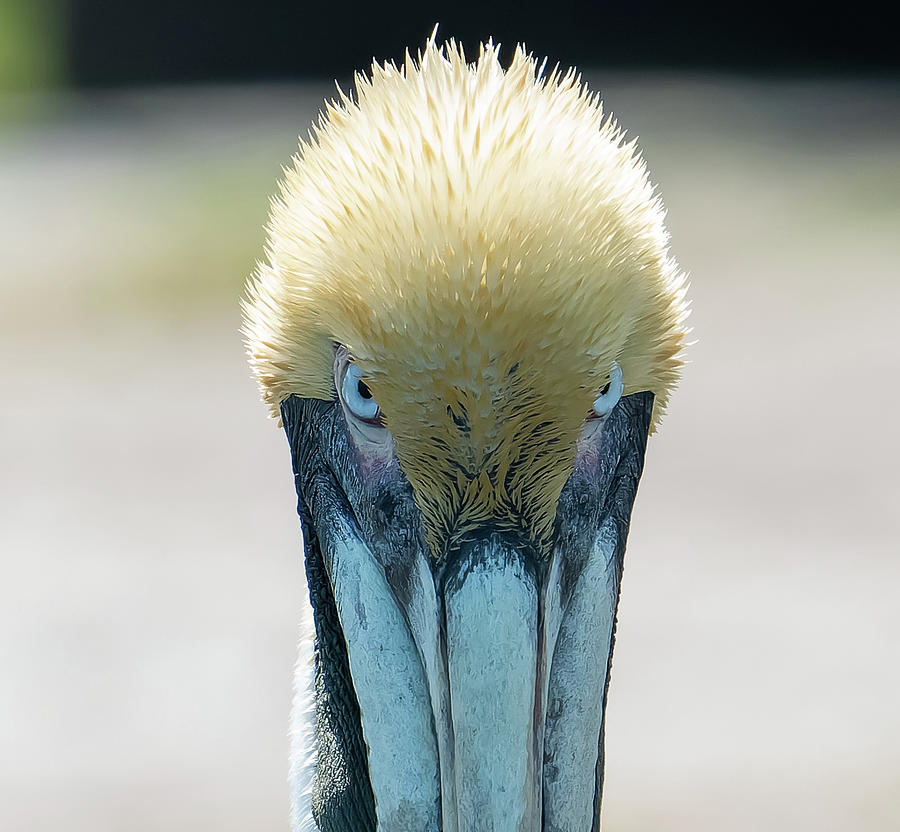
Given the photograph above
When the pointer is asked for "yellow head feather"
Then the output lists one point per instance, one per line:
(486, 245)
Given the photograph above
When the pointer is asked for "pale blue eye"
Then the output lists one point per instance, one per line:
(606, 401)
(356, 395)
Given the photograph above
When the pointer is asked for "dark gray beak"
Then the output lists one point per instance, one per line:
(467, 693)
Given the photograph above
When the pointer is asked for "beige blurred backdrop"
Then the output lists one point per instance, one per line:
(152, 581)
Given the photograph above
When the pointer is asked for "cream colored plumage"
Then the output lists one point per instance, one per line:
(486, 244)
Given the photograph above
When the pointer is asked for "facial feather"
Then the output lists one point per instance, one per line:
(486, 244)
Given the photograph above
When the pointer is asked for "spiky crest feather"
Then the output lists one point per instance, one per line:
(486, 244)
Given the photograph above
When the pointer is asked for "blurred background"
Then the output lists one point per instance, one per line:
(151, 586)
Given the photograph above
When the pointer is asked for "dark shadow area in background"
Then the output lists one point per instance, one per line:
(162, 41)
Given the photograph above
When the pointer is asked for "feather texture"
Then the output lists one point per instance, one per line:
(486, 243)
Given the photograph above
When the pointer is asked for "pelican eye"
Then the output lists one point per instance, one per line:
(356, 397)
(610, 394)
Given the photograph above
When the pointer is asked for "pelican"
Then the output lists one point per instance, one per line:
(467, 321)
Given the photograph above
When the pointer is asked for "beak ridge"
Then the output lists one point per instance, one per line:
(492, 612)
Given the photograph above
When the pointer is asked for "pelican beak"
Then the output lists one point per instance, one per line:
(467, 692)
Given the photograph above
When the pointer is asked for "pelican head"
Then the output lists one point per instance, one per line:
(468, 322)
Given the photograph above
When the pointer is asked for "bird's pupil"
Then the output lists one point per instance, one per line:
(363, 390)
(605, 390)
